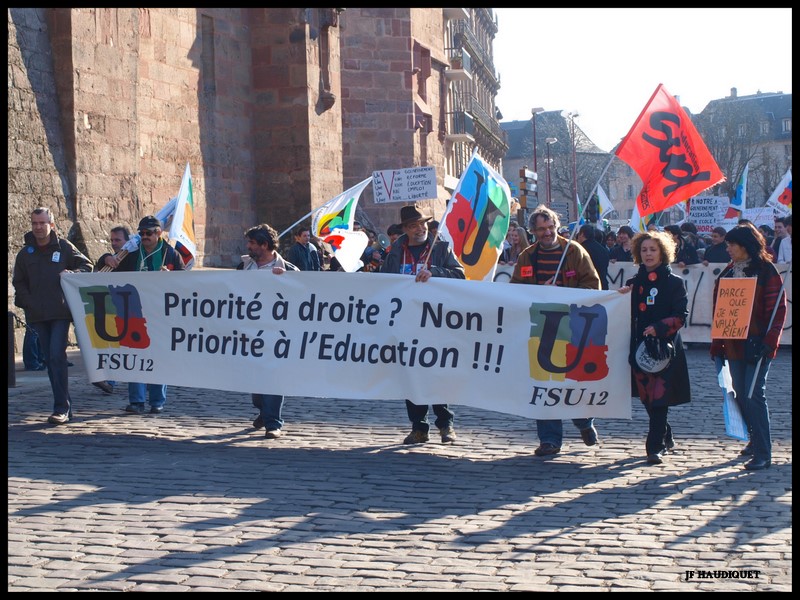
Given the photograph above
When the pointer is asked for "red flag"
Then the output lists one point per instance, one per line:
(667, 152)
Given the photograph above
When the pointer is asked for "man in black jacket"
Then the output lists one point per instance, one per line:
(37, 282)
(303, 254)
(414, 253)
(597, 252)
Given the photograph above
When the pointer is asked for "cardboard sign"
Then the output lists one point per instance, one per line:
(733, 309)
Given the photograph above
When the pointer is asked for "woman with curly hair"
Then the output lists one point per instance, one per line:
(658, 311)
(749, 359)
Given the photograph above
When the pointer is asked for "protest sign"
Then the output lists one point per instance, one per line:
(538, 352)
(733, 308)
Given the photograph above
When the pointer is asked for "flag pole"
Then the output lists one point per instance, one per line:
(578, 220)
(300, 220)
(769, 326)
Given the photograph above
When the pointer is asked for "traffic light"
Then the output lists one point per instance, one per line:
(592, 210)
(527, 187)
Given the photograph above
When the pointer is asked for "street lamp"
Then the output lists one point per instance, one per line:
(550, 141)
(534, 112)
(572, 116)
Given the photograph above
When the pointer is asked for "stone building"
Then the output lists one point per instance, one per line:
(275, 110)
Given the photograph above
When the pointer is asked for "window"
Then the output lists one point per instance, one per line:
(786, 126)
(742, 130)
(764, 127)
(629, 192)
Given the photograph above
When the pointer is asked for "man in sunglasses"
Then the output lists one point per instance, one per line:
(154, 254)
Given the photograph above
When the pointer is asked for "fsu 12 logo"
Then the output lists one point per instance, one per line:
(114, 317)
(568, 342)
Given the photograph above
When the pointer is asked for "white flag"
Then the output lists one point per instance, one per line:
(781, 198)
(603, 201)
(181, 231)
(333, 224)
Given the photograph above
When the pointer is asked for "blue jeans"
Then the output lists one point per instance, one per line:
(269, 406)
(418, 415)
(157, 392)
(754, 409)
(53, 338)
(32, 355)
(552, 431)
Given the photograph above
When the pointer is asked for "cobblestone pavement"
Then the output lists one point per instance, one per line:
(195, 499)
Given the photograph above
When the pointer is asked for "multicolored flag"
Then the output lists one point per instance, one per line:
(338, 212)
(781, 198)
(667, 152)
(739, 200)
(477, 218)
(333, 224)
(181, 230)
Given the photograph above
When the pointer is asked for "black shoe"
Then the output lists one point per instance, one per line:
(156, 410)
(655, 459)
(747, 450)
(547, 450)
(136, 408)
(669, 443)
(589, 436)
(416, 437)
(757, 465)
(105, 386)
(258, 422)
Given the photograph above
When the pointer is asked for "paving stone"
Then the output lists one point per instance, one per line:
(194, 500)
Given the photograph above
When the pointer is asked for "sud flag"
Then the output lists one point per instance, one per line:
(477, 218)
(667, 152)
(781, 198)
(333, 224)
(181, 230)
(739, 200)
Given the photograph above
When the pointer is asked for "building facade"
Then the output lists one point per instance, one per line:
(275, 110)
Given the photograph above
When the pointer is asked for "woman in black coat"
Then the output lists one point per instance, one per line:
(659, 309)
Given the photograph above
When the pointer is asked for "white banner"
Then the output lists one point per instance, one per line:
(532, 351)
(699, 282)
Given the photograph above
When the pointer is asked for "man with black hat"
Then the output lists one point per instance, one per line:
(154, 254)
(414, 253)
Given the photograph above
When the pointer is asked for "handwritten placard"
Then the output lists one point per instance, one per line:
(733, 308)
(404, 185)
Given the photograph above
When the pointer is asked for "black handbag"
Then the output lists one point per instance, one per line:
(654, 354)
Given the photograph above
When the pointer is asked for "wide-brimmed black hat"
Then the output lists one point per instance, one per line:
(411, 214)
(149, 222)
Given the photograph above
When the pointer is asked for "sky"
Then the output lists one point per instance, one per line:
(605, 63)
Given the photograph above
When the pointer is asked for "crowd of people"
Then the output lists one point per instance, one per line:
(542, 254)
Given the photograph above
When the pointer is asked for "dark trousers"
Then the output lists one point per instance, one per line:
(32, 355)
(659, 431)
(418, 415)
(53, 339)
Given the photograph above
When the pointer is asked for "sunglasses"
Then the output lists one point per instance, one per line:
(147, 232)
